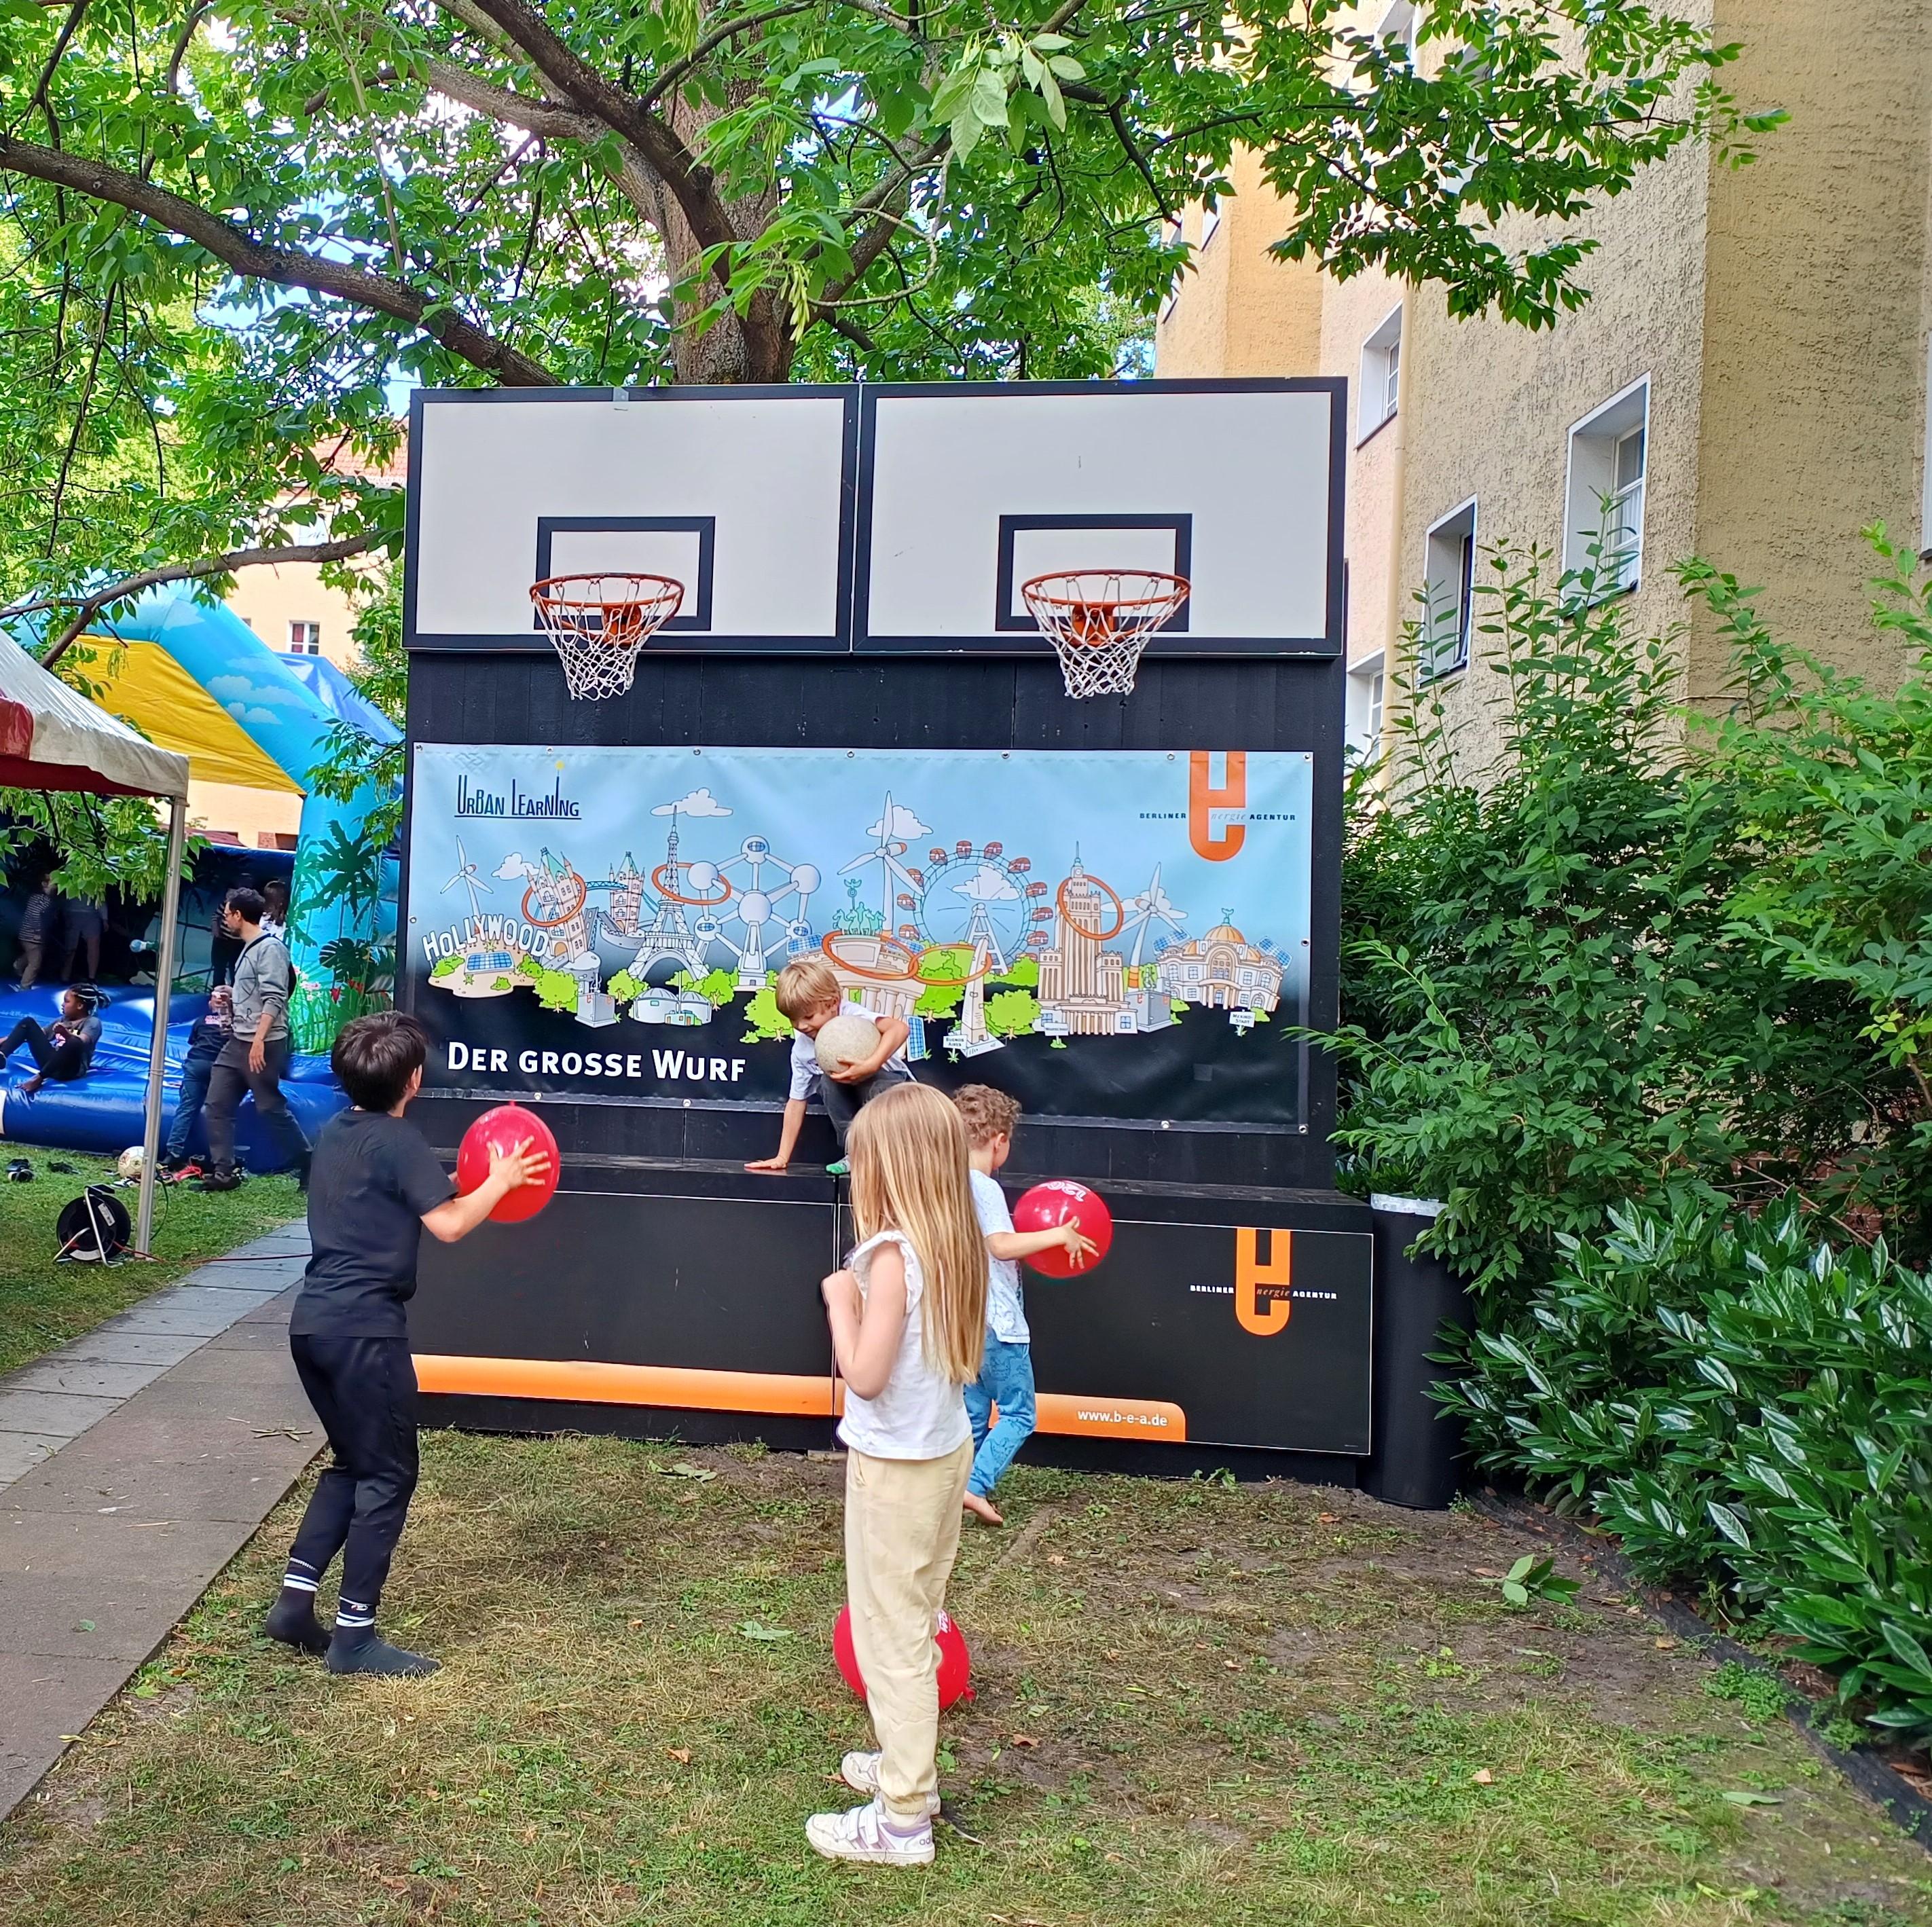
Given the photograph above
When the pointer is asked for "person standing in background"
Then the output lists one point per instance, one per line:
(205, 1042)
(36, 930)
(255, 1057)
(275, 916)
(223, 946)
(86, 918)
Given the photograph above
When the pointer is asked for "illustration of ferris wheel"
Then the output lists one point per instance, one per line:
(971, 894)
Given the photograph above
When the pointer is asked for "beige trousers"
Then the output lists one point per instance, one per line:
(902, 1532)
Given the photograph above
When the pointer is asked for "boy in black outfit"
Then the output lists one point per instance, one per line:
(374, 1187)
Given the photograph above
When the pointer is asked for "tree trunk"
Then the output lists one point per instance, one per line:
(726, 351)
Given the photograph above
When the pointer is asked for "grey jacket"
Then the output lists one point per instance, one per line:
(264, 979)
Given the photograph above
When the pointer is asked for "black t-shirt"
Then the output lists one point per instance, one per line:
(372, 1179)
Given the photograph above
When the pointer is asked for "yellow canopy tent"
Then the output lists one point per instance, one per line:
(142, 683)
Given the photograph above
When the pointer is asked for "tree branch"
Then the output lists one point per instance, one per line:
(182, 40)
(236, 249)
(712, 41)
(551, 120)
(39, 96)
(688, 180)
(91, 605)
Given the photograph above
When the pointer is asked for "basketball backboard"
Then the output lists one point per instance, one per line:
(967, 490)
(743, 494)
(902, 519)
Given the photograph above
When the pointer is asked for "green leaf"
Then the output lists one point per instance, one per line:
(1747, 1799)
(1056, 103)
(754, 1629)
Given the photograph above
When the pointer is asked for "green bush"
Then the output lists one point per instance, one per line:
(1740, 1402)
(1646, 998)
(1559, 995)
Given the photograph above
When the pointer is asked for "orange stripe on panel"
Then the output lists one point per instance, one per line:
(1061, 1412)
(795, 1395)
(686, 1387)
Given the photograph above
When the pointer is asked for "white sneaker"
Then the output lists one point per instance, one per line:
(860, 1772)
(860, 1833)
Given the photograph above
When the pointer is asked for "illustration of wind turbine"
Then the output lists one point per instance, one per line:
(1151, 907)
(885, 853)
(465, 874)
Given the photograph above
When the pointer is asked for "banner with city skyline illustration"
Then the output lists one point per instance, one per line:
(1112, 935)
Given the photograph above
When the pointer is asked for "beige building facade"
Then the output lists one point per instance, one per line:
(1747, 382)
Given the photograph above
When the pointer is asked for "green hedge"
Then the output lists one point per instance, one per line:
(1743, 1404)
(1645, 996)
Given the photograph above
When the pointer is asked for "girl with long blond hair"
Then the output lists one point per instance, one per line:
(908, 1318)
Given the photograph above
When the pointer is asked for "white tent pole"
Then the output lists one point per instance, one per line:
(157, 1050)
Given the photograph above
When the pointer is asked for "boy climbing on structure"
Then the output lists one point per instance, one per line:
(809, 996)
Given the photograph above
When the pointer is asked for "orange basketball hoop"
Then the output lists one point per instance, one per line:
(597, 623)
(1099, 620)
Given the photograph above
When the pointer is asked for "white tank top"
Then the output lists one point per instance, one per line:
(919, 1414)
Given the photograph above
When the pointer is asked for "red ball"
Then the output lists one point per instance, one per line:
(503, 1129)
(955, 1664)
(1061, 1201)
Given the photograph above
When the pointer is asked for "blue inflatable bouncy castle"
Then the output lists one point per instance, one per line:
(102, 1111)
(193, 677)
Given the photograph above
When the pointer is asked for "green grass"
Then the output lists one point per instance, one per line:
(1198, 1706)
(42, 1304)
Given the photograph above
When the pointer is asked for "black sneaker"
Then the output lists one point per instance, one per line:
(220, 1181)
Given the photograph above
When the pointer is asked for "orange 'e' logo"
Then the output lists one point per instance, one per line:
(1252, 1275)
(1203, 799)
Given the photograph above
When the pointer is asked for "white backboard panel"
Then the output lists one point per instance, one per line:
(966, 490)
(902, 519)
(743, 494)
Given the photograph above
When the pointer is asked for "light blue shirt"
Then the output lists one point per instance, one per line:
(1006, 1310)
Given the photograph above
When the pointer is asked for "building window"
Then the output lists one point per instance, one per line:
(1449, 582)
(1398, 23)
(305, 639)
(1210, 222)
(1364, 715)
(1381, 377)
(1604, 505)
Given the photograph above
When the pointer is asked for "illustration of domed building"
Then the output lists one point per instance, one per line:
(1222, 970)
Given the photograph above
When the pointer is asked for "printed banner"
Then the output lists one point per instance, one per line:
(1109, 935)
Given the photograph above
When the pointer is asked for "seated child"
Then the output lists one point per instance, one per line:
(809, 996)
(374, 1187)
(62, 1050)
(907, 1316)
(205, 1043)
(1006, 1371)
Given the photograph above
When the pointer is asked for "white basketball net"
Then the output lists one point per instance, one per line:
(1099, 620)
(597, 623)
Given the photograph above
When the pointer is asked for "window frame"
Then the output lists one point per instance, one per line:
(1588, 429)
(304, 637)
(1381, 347)
(1370, 677)
(1430, 667)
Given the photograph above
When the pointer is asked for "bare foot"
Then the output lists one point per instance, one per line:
(982, 1508)
(31, 1087)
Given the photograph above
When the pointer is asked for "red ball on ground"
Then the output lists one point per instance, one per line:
(502, 1131)
(1061, 1201)
(955, 1664)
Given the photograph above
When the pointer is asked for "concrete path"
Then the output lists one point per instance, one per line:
(134, 1463)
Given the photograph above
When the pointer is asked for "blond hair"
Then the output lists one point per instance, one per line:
(909, 1174)
(805, 984)
(988, 1113)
